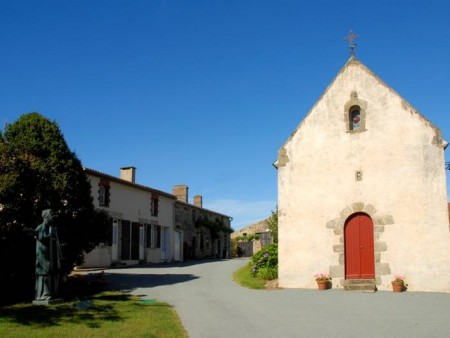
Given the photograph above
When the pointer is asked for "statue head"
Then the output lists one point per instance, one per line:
(47, 215)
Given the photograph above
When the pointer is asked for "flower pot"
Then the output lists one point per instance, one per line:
(398, 286)
(324, 284)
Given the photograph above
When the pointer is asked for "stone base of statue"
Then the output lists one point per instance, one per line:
(48, 301)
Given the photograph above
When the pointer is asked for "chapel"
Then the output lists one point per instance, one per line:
(362, 191)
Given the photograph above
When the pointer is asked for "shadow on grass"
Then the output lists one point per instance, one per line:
(55, 315)
(101, 306)
(82, 287)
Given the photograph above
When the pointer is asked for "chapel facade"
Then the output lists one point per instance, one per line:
(362, 191)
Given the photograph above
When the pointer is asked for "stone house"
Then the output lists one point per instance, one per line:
(206, 232)
(146, 226)
(362, 191)
(261, 238)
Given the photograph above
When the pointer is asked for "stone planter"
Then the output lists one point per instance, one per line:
(324, 284)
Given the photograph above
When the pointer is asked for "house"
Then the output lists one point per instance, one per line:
(206, 232)
(259, 236)
(362, 191)
(142, 221)
(148, 224)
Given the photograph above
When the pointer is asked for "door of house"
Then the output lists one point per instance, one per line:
(165, 243)
(130, 240)
(359, 247)
(125, 240)
(135, 233)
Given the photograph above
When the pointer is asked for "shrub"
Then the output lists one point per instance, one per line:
(234, 247)
(265, 262)
(249, 238)
(272, 224)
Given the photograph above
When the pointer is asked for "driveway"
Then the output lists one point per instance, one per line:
(211, 305)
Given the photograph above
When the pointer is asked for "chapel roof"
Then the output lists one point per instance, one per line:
(354, 62)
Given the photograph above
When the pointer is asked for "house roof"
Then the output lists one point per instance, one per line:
(145, 188)
(255, 228)
(128, 183)
(203, 209)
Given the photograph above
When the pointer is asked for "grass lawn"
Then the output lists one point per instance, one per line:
(105, 314)
(243, 276)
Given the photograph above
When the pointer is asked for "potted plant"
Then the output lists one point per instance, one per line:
(323, 281)
(398, 283)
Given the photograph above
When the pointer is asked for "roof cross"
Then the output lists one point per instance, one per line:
(351, 41)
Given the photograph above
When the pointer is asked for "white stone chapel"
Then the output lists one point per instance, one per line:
(362, 191)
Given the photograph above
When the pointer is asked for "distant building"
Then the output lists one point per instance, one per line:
(261, 237)
(362, 191)
(144, 227)
(206, 233)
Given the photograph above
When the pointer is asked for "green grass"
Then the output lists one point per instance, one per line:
(243, 276)
(112, 314)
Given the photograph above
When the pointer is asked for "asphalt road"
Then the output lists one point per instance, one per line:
(211, 305)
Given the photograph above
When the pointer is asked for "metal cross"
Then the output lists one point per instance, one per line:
(351, 41)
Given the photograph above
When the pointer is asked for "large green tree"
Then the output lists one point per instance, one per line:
(38, 171)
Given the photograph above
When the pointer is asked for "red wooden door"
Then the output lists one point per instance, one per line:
(359, 251)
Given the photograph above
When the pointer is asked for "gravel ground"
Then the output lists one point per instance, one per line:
(211, 305)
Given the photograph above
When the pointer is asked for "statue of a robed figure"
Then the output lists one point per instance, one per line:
(48, 255)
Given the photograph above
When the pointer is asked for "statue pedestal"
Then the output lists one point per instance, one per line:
(47, 301)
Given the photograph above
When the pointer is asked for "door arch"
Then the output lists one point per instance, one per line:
(359, 247)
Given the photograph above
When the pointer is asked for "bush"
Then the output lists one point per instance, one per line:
(268, 273)
(264, 263)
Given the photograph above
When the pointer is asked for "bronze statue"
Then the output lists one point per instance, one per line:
(48, 264)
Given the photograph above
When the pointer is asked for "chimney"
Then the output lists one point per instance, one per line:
(198, 201)
(128, 174)
(181, 192)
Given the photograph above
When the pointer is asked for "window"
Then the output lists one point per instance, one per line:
(355, 114)
(355, 118)
(103, 193)
(154, 205)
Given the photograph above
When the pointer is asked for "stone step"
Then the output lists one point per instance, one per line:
(363, 285)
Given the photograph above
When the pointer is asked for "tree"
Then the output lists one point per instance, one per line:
(38, 171)
(272, 224)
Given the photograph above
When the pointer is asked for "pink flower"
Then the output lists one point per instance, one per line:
(322, 277)
(399, 278)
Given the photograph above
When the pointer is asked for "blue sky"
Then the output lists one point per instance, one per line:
(204, 93)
